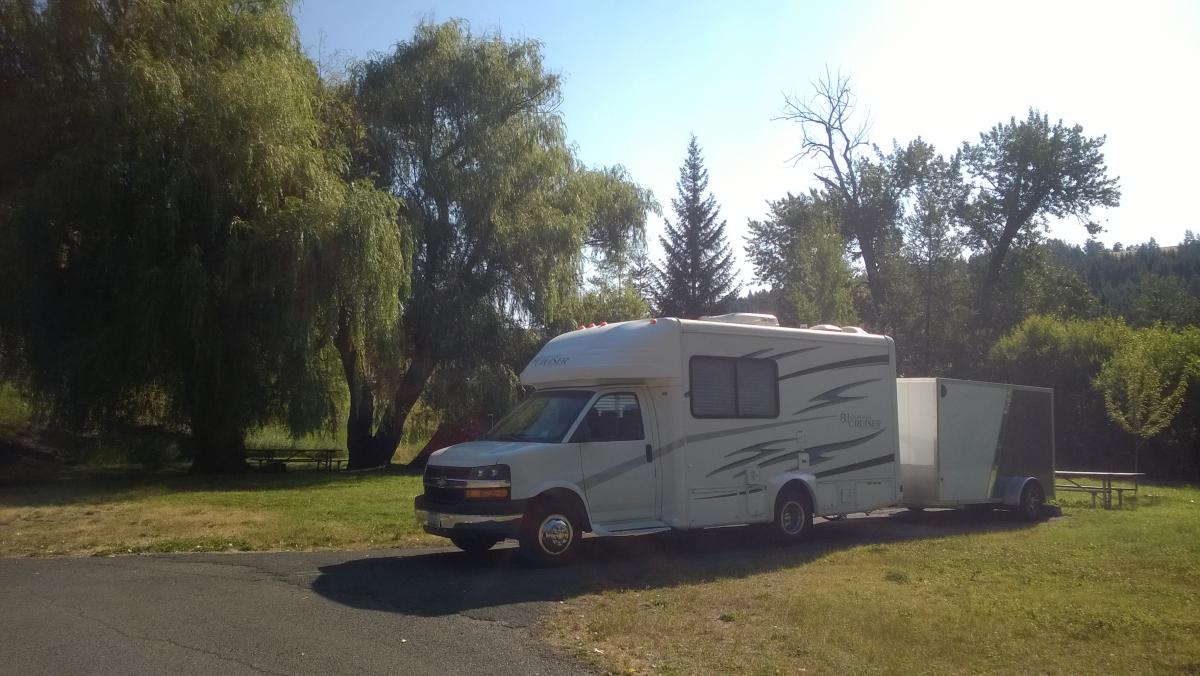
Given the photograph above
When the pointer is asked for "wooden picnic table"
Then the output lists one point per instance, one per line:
(323, 458)
(1104, 490)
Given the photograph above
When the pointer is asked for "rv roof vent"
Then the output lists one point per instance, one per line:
(826, 327)
(854, 329)
(751, 318)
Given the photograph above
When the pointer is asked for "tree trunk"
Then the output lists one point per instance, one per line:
(875, 281)
(220, 447)
(217, 429)
(367, 446)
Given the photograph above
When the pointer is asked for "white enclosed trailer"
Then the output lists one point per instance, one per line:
(648, 425)
(974, 443)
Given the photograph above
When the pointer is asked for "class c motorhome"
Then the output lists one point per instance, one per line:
(667, 424)
(657, 424)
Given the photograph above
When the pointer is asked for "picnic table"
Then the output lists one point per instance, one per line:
(323, 458)
(1073, 482)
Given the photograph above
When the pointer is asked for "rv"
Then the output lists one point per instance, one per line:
(656, 424)
(666, 424)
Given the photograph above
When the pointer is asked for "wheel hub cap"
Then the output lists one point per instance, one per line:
(791, 518)
(555, 534)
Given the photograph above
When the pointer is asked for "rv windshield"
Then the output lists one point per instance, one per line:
(544, 417)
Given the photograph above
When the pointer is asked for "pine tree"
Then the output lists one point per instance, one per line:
(696, 276)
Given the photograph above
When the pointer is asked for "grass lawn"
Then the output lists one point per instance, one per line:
(169, 513)
(1093, 592)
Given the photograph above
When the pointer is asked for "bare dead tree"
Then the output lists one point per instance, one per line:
(830, 135)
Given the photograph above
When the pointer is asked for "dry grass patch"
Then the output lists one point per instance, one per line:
(1095, 592)
(168, 513)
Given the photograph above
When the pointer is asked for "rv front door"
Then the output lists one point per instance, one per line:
(616, 441)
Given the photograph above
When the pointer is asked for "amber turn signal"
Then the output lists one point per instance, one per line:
(487, 493)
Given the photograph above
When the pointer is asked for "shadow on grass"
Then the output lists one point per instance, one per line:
(99, 487)
(444, 583)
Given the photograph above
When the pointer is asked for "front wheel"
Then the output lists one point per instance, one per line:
(793, 516)
(549, 534)
(1032, 499)
(474, 544)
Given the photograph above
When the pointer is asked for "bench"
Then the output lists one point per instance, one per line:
(323, 458)
(1104, 491)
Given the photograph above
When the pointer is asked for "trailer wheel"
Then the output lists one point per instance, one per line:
(1032, 499)
(549, 534)
(793, 515)
(473, 543)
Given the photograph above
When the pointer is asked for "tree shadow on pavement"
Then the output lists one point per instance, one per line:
(448, 582)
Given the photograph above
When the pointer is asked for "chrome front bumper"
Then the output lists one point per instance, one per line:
(499, 519)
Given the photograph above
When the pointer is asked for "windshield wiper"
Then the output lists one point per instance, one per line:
(505, 437)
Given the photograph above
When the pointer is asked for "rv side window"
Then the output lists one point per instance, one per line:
(614, 417)
(725, 387)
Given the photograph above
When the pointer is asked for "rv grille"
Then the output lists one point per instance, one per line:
(444, 485)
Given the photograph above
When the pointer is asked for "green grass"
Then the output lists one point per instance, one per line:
(100, 514)
(13, 409)
(1093, 592)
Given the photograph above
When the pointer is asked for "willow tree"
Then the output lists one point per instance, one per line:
(178, 240)
(464, 130)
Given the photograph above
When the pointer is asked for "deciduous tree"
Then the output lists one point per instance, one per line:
(1145, 382)
(800, 254)
(464, 129)
(1026, 172)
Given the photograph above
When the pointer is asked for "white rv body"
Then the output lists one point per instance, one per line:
(966, 442)
(731, 411)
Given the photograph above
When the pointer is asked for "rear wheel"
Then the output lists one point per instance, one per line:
(793, 516)
(473, 543)
(549, 534)
(1032, 499)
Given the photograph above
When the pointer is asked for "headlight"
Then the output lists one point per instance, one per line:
(488, 483)
(489, 473)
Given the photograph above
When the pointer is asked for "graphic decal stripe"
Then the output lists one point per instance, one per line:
(714, 497)
(845, 364)
(751, 428)
(834, 396)
(816, 451)
(758, 451)
(784, 355)
(606, 475)
(754, 353)
(881, 460)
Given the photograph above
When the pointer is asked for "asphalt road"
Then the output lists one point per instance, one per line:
(395, 611)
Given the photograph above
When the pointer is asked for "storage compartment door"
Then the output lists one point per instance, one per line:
(969, 420)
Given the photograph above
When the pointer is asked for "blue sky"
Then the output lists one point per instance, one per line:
(641, 76)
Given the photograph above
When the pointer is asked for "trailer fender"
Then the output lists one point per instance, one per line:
(1008, 488)
(777, 482)
(552, 488)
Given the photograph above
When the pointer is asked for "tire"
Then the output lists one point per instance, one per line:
(1032, 500)
(793, 516)
(474, 544)
(550, 534)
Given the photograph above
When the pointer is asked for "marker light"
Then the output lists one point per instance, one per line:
(653, 321)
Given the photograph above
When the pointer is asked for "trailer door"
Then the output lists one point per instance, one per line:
(619, 467)
(969, 419)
